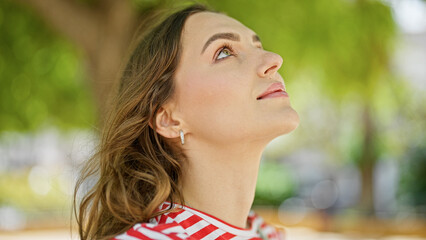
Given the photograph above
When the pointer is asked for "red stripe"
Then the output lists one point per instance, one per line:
(134, 233)
(175, 237)
(162, 207)
(226, 236)
(174, 214)
(190, 221)
(220, 220)
(163, 219)
(165, 205)
(163, 227)
(204, 231)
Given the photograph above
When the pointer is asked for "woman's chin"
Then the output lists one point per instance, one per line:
(279, 128)
(287, 124)
(291, 122)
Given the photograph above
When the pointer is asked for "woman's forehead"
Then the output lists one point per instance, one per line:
(200, 26)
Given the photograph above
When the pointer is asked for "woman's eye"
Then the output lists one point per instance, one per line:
(224, 53)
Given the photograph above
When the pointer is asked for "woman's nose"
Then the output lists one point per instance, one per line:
(269, 65)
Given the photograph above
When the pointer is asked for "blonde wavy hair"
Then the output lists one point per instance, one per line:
(134, 168)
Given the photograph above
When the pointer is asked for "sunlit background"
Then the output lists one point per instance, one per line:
(355, 70)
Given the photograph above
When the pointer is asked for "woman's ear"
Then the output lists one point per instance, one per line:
(166, 125)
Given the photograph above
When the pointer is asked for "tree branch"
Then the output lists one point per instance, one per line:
(76, 22)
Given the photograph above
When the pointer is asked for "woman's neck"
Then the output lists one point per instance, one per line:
(221, 181)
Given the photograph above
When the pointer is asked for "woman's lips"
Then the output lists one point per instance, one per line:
(274, 90)
(275, 95)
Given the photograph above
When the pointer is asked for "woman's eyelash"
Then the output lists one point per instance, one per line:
(223, 47)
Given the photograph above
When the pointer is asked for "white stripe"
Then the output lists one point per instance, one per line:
(150, 225)
(267, 230)
(251, 213)
(183, 216)
(136, 226)
(175, 229)
(153, 220)
(153, 234)
(256, 223)
(226, 228)
(196, 227)
(124, 236)
(169, 220)
(182, 235)
(214, 235)
(241, 238)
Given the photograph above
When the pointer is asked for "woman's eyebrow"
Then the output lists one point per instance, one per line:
(229, 36)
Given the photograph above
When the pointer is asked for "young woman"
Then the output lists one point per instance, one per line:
(197, 104)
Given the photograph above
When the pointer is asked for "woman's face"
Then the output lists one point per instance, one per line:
(219, 79)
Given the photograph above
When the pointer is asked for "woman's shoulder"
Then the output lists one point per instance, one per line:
(168, 231)
(189, 223)
(164, 231)
(267, 230)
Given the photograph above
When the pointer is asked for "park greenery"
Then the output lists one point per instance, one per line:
(42, 75)
(337, 68)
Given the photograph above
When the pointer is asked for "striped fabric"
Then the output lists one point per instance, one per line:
(189, 223)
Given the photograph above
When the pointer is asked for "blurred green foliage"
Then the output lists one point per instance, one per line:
(336, 59)
(344, 45)
(42, 78)
(412, 189)
(15, 191)
(274, 184)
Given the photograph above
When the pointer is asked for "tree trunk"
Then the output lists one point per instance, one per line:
(367, 162)
(103, 31)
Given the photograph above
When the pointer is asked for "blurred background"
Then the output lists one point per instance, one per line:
(355, 70)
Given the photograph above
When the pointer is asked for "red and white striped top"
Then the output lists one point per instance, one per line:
(189, 223)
